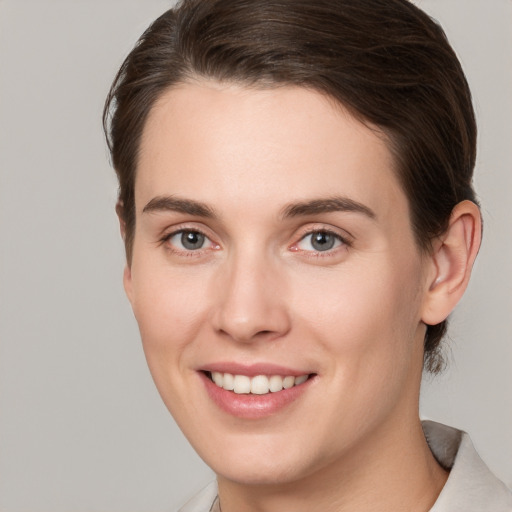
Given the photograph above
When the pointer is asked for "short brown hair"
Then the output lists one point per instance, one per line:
(386, 61)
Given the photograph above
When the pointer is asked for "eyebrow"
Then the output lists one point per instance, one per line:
(175, 204)
(300, 209)
(327, 205)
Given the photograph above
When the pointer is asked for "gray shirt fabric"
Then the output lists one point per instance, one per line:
(471, 487)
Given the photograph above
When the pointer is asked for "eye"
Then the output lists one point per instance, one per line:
(188, 240)
(320, 241)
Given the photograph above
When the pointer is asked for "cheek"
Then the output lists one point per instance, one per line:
(170, 309)
(365, 309)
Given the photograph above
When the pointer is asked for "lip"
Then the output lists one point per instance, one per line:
(249, 406)
(251, 370)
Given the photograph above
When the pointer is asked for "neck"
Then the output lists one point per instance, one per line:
(394, 471)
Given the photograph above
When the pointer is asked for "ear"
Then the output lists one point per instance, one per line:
(127, 274)
(127, 282)
(452, 261)
(120, 216)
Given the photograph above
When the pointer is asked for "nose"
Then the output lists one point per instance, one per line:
(250, 303)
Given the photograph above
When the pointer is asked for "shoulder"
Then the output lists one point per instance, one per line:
(203, 501)
(471, 486)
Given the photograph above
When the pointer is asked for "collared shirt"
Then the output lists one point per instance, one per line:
(471, 487)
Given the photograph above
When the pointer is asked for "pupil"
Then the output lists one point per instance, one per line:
(192, 240)
(322, 241)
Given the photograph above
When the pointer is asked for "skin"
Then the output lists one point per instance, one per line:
(257, 291)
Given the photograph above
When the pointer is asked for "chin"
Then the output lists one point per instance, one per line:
(274, 473)
(259, 461)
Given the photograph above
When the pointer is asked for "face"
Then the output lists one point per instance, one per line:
(273, 254)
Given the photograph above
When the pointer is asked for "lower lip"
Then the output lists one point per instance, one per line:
(251, 406)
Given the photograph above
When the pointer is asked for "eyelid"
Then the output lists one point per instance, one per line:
(344, 237)
(183, 228)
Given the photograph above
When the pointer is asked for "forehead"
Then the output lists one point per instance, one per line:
(261, 147)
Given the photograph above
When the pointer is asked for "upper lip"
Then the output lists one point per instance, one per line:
(251, 370)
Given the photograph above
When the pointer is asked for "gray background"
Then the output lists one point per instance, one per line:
(81, 426)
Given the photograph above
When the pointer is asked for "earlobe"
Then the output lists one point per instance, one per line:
(452, 260)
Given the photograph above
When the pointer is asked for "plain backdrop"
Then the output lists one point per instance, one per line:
(81, 425)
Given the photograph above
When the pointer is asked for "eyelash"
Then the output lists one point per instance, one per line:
(344, 242)
(165, 240)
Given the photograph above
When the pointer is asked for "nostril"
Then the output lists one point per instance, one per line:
(246, 311)
(244, 334)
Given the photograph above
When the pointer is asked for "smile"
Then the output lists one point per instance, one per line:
(257, 385)
(255, 391)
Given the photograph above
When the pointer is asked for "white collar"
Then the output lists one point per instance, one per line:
(471, 487)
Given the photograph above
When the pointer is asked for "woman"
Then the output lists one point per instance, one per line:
(299, 222)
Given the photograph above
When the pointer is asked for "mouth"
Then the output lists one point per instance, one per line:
(256, 385)
(257, 390)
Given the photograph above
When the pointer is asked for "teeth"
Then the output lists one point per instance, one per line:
(288, 382)
(242, 384)
(259, 385)
(275, 383)
(217, 378)
(301, 379)
(228, 382)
